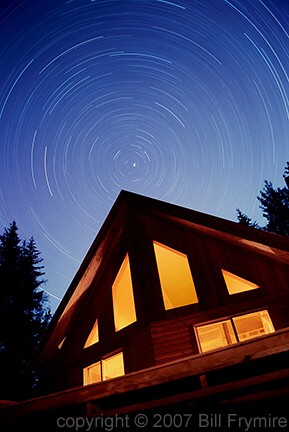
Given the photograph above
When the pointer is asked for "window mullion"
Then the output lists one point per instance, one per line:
(101, 371)
(234, 329)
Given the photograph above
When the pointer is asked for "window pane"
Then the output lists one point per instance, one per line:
(253, 325)
(217, 335)
(92, 374)
(61, 343)
(176, 280)
(236, 284)
(122, 296)
(113, 367)
(93, 336)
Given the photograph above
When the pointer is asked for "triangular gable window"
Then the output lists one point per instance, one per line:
(93, 336)
(61, 343)
(176, 280)
(236, 284)
(122, 296)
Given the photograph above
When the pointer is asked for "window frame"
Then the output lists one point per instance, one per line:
(231, 320)
(90, 338)
(117, 311)
(156, 243)
(251, 286)
(101, 362)
(221, 321)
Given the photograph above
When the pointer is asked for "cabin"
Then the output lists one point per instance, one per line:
(170, 308)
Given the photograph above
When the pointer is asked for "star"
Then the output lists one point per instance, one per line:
(185, 101)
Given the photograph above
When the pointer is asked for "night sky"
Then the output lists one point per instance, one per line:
(185, 101)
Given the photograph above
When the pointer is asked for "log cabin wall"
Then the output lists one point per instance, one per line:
(134, 341)
(161, 335)
(174, 337)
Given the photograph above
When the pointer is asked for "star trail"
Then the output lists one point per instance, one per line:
(185, 101)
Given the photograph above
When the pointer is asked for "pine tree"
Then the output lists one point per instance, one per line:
(286, 175)
(23, 313)
(245, 220)
(275, 207)
(274, 204)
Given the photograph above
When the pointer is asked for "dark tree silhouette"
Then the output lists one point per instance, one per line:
(286, 175)
(245, 220)
(274, 204)
(24, 314)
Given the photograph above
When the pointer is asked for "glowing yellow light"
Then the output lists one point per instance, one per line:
(177, 284)
(61, 343)
(236, 284)
(93, 336)
(108, 368)
(92, 373)
(113, 367)
(122, 296)
(221, 333)
(253, 325)
(216, 335)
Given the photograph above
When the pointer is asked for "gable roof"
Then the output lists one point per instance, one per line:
(271, 245)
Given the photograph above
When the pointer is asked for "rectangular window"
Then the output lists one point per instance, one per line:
(112, 367)
(107, 368)
(92, 373)
(176, 280)
(217, 335)
(253, 325)
(232, 330)
(122, 297)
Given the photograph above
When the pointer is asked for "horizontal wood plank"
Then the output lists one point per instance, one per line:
(169, 372)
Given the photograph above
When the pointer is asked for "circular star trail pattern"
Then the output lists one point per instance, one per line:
(185, 101)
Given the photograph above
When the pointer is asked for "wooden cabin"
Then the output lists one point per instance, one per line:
(170, 305)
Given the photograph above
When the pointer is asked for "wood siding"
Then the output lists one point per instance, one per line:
(160, 336)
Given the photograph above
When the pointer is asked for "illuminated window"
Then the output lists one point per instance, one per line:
(176, 280)
(236, 284)
(93, 336)
(113, 367)
(253, 325)
(217, 335)
(61, 343)
(122, 296)
(92, 373)
(232, 330)
(110, 367)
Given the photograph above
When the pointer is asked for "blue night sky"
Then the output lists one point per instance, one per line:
(185, 101)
